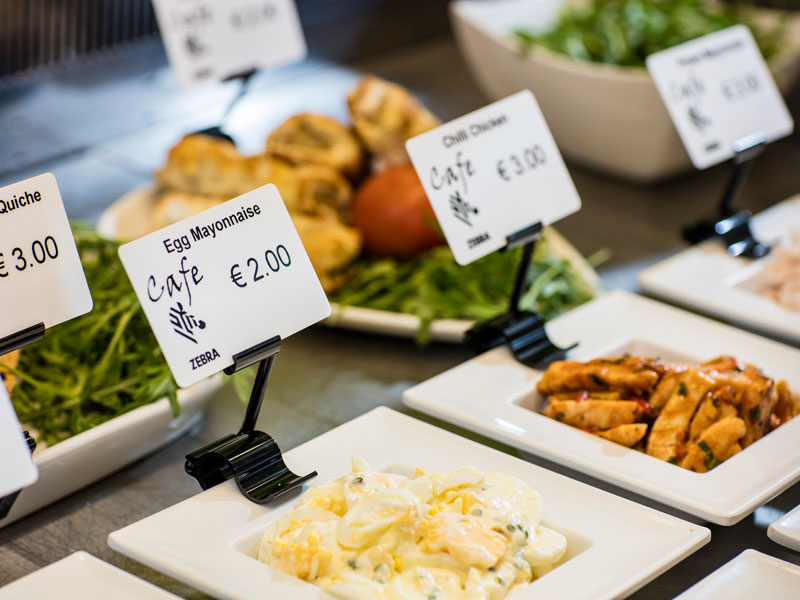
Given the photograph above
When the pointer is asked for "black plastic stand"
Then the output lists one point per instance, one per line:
(7, 502)
(733, 228)
(522, 331)
(12, 342)
(251, 458)
(15, 341)
(217, 130)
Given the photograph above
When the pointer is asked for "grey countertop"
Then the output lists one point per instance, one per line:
(324, 377)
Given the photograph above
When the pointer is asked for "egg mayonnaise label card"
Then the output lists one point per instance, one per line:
(208, 40)
(492, 173)
(720, 94)
(41, 276)
(17, 469)
(224, 280)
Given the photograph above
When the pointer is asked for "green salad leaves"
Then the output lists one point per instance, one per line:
(433, 286)
(625, 32)
(98, 366)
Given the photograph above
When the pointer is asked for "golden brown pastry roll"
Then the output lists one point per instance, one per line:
(384, 116)
(321, 192)
(331, 246)
(11, 360)
(317, 140)
(171, 206)
(201, 164)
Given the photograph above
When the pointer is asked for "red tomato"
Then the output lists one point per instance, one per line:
(394, 215)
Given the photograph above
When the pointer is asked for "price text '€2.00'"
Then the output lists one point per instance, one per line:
(274, 260)
(18, 259)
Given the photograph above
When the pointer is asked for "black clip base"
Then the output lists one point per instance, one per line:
(15, 341)
(522, 331)
(733, 230)
(8, 501)
(251, 458)
(524, 334)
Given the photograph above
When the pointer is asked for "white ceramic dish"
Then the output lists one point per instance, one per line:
(786, 530)
(608, 117)
(81, 576)
(495, 395)
(706, 278)
(750, 575)
(76, 462)
(210, 540)
(129, 218)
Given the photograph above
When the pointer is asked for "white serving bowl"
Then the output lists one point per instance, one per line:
(603, 116)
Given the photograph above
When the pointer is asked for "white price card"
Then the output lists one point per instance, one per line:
(719, 92)
(214, 39)
(41, 277)
(17, 469)
(224, 280)
(491, 173)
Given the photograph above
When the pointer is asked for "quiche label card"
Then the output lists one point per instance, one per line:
(491, 173)
(214, 39)
(224, 280)
(41, 277)
(719, 91)
(17, 469)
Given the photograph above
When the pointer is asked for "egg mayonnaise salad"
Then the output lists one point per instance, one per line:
(430, 536)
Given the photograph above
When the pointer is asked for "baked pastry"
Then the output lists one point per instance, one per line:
(384, 116)
(201, 164)
(172, 206)
(314, 139)
(7, 378)
(320, 191)
(331, 246)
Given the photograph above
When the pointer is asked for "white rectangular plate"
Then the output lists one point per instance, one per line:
(76, 462)
(786, 530)
(706, 278)
(81, 576)
(496, 395)
(750, 575)
(210, 540)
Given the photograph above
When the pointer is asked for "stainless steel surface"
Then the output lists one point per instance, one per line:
(324, 377)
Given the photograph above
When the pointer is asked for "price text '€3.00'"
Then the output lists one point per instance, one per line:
(39, 251)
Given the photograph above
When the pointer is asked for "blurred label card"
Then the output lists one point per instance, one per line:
(215, 39)
(41, 277)
(222, 281)
(719, 91)
(491, 173)
(17, 469)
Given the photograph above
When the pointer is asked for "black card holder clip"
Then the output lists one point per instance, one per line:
(522, 331)
(251, 458)
(729, 226)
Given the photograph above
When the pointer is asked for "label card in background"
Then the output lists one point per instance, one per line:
(492, 173)
(718, 91)
(222, 281)
(17, 469)
(210, 40)
(41, 277)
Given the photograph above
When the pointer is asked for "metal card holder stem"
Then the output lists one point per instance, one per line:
(733, 228)
(251, 458)
(9, 343)
(522, 331)
(217, 131)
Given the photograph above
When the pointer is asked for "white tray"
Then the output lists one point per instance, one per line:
(706, 278)
(81, 576)
(210, 541)
(750, 576)
(786, 530)
(99, 451)
(129, 218)
(495, 395)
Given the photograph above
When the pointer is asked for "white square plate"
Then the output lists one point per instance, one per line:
(750, 575)
(81, 576)
(496, 395)
(706, 278)
(210, 540)
(786, 530)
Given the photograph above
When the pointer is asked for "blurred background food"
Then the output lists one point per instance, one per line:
(583, 62)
